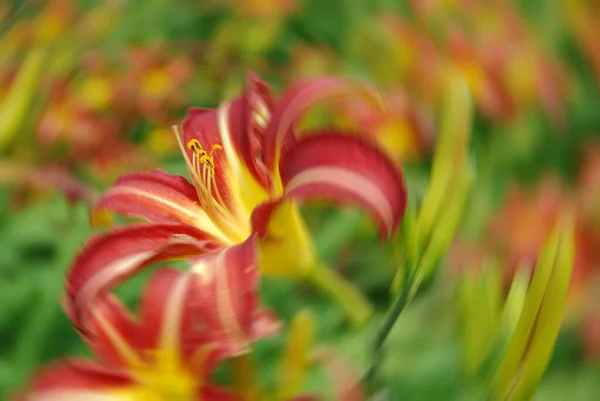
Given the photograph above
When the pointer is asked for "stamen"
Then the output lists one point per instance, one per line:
(202, 157)
(206, 179)
(202, 171)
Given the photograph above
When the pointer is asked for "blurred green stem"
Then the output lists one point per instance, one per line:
(400, 303)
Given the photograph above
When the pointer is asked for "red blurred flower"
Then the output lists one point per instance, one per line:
(248, 169)
(182, 333)
(152, 83)
(508, 69)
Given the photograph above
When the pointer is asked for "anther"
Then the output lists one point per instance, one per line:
(202, 156)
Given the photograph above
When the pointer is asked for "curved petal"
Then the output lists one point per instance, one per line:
(76, 380)
(169, 325)
(279, 133)
(224, 296)
(157, 197)
(118, 254)
(113, 335)
(265, 323)
(248, 117)
(345, 169)
(161, 308)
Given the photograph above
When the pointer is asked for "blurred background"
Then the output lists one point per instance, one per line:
(90, 89)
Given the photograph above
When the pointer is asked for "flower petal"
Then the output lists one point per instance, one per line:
(345, 168)
(284, 245)
(157, 197)
(113, 334)
(248, 117)
(169, 325)
(76, 380)
(161, 308)
(265, 323)
(224, 295)
(279, 134)
(116, 255)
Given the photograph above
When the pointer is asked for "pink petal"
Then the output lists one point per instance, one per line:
(265, 323)
(248, 116)
(162, 305)
(279, 135)
(345, 169)
(224, 295)
(112, 257)
(155, 196)
(113, 335)
(169, 323)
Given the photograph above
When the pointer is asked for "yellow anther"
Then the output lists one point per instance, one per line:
(195, 146)
(215, 147)
(201, 155)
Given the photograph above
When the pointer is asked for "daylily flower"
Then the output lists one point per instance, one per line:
(184, 329)
(153, 82)
(248, 170)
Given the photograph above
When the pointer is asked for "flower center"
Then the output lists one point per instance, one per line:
(201, 158)
(168, 381)
(202, 172)
(158, 379)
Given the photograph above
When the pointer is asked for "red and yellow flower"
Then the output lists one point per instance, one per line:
(168, 351)
(249, 168)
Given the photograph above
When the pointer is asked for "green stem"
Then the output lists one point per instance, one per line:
(356, 306)
(400, 303)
